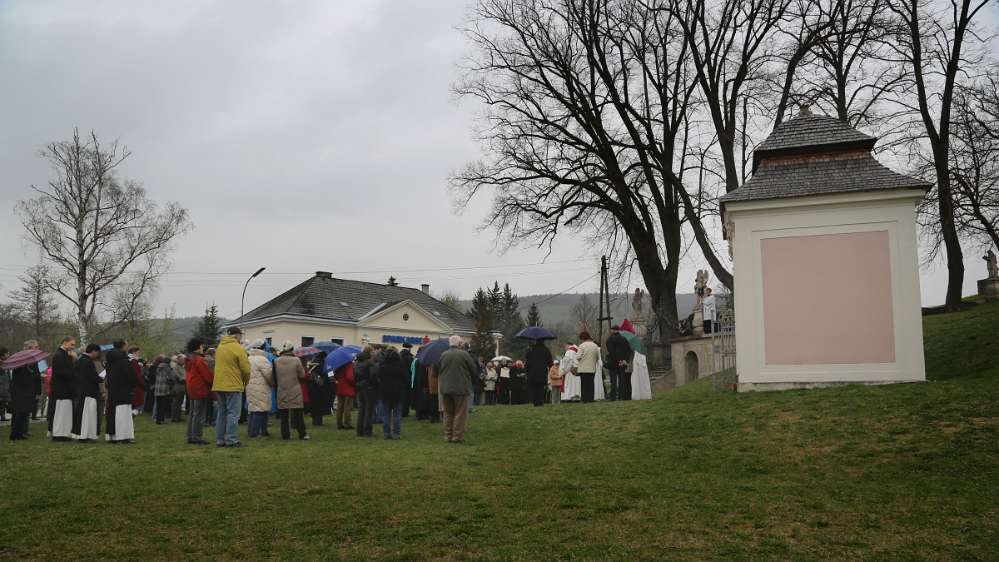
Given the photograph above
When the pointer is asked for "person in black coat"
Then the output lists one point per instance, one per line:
(321, 390)
(367, 392)
(63, 391)
(406, 355)
(392, 385)
(536, 363)
(22, 399)
(618, 356)
(121, 387)
(88, 392)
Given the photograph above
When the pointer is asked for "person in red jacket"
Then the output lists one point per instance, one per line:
(199, 390)
(139, 395)
(344, 377)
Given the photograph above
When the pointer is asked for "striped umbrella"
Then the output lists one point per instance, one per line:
(25, 357)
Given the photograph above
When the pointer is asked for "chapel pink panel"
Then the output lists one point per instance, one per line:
(827, 299)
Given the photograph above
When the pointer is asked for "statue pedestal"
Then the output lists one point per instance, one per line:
(989, 288)
(698, 327)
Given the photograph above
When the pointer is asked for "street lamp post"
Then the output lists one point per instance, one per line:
(242, 302)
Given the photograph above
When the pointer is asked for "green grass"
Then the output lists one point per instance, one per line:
(901, 472)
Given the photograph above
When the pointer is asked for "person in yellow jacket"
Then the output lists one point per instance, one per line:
(232, 372)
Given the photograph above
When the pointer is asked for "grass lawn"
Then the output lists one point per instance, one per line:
(895, 473)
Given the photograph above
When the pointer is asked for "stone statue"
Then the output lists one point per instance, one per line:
(636, 304)
(990, 262)
(700, 282)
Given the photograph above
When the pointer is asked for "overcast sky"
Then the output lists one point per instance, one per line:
(301, 135)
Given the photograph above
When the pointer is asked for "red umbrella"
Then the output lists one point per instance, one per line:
(26, 357)
(626, 326)
(307, 351)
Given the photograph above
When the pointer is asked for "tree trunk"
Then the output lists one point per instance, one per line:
(81, 309)
(955, 256)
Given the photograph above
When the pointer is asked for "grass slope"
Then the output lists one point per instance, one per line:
(898, 472)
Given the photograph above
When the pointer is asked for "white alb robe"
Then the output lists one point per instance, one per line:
(62, 419)
(88, 420)
(641, 386)
(124, 425)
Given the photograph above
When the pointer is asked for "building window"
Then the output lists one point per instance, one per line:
(308, 341)
(338, 341)
(405, 317)
(270, 342)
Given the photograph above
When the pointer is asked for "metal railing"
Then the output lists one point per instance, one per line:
(724, 378)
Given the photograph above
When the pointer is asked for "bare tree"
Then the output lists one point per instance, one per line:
(34, 300)
(932, 44)
(585, 102)
(852, 75)
(584, 313)
(98, 231)
(974, 170)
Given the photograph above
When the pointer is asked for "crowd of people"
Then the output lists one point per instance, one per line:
(236, 382)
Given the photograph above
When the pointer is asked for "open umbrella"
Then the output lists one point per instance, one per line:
(326, 346)
(536, 333)
(341, 356)
(307, 351)
(501, 358)
(634, 341)
(431, 353)
(25, 357)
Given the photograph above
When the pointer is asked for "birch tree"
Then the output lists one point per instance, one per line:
(98, 231)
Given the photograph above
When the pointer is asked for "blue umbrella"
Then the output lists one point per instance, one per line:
(341, 356)
(326, 347)
(431, 353)
(536, 333)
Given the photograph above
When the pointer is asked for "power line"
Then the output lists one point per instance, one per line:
(559, 294)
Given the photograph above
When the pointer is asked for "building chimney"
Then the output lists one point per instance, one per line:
(324, 274)
(425, 288)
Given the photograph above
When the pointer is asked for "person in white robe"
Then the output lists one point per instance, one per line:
(567, 366)
(121, 386)
(63, 391)
(88, 391)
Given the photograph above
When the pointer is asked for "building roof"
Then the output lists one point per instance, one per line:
(326, 297)
(817, 155)
(807, 132)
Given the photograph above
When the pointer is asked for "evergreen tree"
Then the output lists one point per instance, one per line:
(533, 316)
(512, 323)
(482, 342)
(495, 297)
(392, 282)
(209, 327)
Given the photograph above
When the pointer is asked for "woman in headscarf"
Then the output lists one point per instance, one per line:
(258, 390)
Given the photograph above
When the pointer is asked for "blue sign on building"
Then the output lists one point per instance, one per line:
(414, 340)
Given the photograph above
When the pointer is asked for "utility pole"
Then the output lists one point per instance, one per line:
(604, 298)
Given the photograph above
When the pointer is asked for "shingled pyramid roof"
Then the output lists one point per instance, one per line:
(342, 300)
(817, 155)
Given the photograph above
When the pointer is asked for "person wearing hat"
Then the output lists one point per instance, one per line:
(618, 354)
(232, 372)
(289, 374)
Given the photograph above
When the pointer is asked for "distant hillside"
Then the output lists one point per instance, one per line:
(558, 309)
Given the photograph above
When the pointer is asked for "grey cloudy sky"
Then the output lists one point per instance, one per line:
(301, 136)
